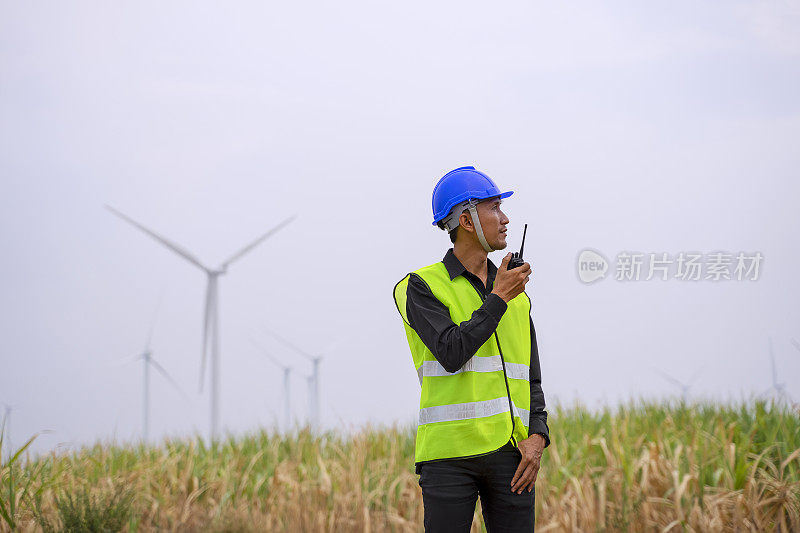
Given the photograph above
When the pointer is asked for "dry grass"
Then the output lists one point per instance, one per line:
(643, 467)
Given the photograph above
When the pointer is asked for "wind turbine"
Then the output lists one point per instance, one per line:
(211, 315)
(778, 388)
(286, 372)
(313, 380)
(684, 387)
(147, 357)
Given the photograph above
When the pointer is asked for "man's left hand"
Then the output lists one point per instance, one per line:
(528, 469)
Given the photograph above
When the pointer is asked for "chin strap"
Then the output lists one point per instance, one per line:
(476, 221)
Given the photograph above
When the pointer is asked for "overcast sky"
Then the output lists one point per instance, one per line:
(652, 127)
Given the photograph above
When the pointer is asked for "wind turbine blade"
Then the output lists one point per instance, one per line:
(167, 377)
(255, 243)
(267, 354)
(671, 379)
(336, 343)
(163, 240)
(796, 344)
(290, 345)
(206, 321)
(122, 361)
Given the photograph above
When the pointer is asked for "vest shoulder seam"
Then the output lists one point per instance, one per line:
(433, 267)
(423, 281)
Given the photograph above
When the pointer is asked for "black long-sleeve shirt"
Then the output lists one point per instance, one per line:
(454, 344)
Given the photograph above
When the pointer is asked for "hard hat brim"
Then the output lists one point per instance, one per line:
(469, 195)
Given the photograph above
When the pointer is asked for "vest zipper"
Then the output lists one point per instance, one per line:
(505, 376)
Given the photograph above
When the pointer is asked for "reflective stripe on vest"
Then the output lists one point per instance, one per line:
(475, 364)
(466, 411)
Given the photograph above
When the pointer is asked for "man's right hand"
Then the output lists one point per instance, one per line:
(508, 284)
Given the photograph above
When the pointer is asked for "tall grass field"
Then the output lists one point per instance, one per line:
(639, 467)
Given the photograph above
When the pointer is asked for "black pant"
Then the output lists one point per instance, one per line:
(451, 487)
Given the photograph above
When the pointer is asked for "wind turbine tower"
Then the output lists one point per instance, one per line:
(147, 357)
(211, 315)
(779, 389)
(287, 370)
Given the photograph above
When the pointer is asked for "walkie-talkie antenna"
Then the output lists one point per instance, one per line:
(516, 257)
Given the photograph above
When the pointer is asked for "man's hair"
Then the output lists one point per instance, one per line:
(453, 235)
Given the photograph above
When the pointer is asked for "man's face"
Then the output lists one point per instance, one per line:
(493, 222)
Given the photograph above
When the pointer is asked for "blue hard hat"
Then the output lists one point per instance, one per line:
(460, 185)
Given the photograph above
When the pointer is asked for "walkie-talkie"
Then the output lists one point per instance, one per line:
(516, 257)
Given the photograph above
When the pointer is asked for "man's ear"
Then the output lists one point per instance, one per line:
(465, 221)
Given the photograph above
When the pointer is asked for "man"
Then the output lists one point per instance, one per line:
(482, 424)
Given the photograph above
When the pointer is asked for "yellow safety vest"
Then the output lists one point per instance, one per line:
(480, 407)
